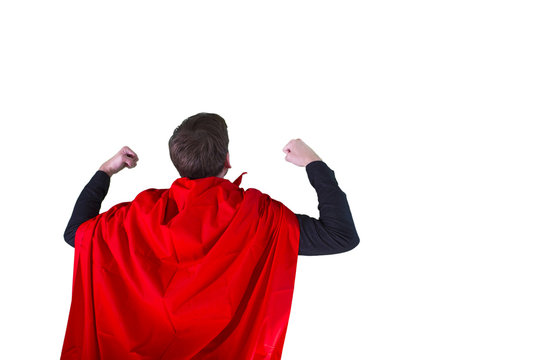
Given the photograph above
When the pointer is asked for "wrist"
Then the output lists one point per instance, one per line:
(312, 160)
(105, 170)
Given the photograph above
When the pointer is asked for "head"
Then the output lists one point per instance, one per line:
(199, 146)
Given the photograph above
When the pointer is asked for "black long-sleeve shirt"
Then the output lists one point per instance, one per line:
(334, 232)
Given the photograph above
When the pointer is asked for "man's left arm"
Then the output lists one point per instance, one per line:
(89, 202)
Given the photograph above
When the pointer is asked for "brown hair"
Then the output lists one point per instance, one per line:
(198, 146)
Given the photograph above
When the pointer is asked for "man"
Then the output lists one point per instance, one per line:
(203, 270)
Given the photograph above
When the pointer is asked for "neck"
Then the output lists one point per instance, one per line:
(222, 173)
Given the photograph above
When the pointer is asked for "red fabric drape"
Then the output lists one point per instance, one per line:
(203, 270)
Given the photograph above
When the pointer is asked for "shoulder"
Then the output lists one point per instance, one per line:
(150, 194)
(264, 202)
(255, 195)
(146, 199)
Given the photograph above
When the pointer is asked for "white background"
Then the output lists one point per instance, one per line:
(427, 111)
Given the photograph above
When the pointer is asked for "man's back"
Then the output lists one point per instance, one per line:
(203, 269)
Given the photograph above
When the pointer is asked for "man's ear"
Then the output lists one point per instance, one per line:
(227, 162)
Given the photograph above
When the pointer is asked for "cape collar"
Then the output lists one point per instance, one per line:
(207, 181)
(239, 179)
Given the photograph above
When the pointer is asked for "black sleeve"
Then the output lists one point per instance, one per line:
(334, 232)
(88, 204)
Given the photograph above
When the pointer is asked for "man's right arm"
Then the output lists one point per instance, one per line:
(334, 232)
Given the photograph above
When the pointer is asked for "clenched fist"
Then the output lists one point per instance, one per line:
(125, 157)
(299, 153)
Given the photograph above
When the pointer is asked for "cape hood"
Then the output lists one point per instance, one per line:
(202, 270)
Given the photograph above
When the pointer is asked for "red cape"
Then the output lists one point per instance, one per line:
(203, 270)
